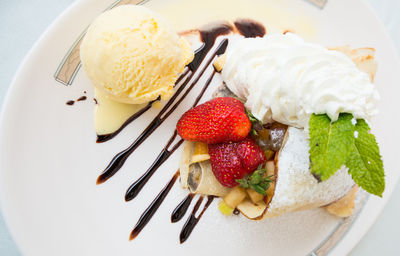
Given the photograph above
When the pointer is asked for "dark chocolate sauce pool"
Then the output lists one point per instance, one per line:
(208, 36)
(250, 28)
(70, 102)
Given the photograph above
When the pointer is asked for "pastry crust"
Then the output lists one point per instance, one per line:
(344, 207)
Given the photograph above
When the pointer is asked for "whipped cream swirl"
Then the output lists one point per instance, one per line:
(285, 79)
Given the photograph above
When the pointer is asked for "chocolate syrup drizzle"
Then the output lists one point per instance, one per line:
(137, 186)
(192, 221)
(72, 102)
(182, 208)
(149, 212)
(82, 98)
(247, 28)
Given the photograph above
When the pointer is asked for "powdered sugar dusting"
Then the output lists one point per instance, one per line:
(296, 187)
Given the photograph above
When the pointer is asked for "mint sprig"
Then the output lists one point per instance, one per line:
(334, 144)
(256, 181)
(365, 162)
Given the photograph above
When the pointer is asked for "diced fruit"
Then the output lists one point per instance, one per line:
(200, 152)
(235, 197)
(225, 209)
(270, 171)
(263, 134)
(251, 210)
(271, 137)
(233, 161)
(270, 167)
(219, 120)
(254, 196)
(219, 63)
(271, 190)
(269, 154)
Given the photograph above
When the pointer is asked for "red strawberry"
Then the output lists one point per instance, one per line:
(218, 120)
(232, 161)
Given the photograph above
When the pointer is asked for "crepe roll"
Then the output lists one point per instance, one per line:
(296, 188)
(198, 176)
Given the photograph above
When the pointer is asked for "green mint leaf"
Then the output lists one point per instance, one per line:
(365, 162)
(330, 144)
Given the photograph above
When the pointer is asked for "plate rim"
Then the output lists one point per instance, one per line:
(338, 248)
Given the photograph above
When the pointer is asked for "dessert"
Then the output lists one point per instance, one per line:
(286, 131)
(327, 150)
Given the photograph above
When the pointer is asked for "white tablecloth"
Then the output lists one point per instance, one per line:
(22, 22)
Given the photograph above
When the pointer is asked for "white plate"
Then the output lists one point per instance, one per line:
(50, 161)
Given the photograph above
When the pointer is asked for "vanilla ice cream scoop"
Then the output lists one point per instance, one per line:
(132, 54)
(285, 79)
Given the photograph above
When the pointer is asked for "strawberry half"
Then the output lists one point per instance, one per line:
(219, 120)
(233, 161)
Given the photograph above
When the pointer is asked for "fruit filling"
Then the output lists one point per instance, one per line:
(239, 150)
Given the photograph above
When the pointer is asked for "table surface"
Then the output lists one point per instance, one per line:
(23, 21)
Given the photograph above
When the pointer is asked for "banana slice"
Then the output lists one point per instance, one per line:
(200, 152)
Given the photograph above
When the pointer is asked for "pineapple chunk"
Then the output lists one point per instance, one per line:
(254, 196)
(269, 154)
(235, 197)
(225, 209)
(270, 168)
